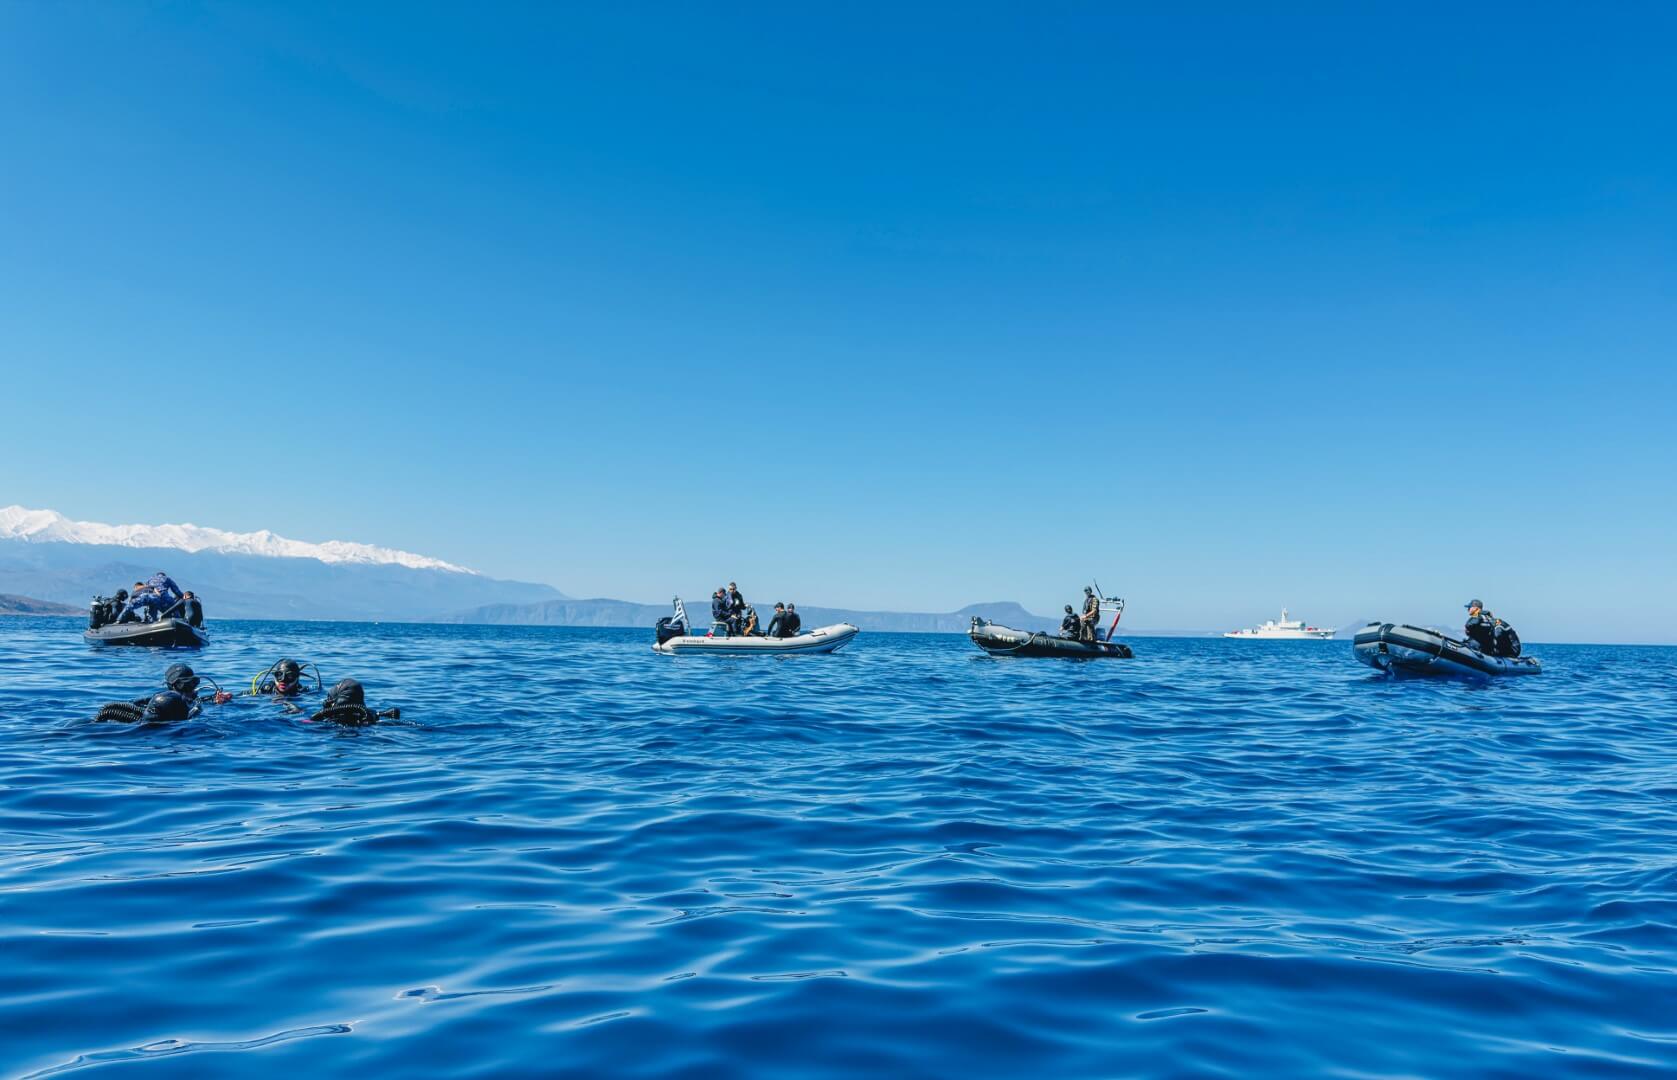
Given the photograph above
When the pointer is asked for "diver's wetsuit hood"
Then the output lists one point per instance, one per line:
(346, 692)
(288, 677)
(181, 680)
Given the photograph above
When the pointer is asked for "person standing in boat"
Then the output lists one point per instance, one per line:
(736, 609)
(1087, 630)
(1071, 626)
(164, 585)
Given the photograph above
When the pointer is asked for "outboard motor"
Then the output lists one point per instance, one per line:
(669, 627)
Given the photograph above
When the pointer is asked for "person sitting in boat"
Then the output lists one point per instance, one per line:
(1481, 628)
(105, 609)
(790, 627)
(1087, 630)
(1071, 627)
(777, 625)
(748, 622)
(191, 610)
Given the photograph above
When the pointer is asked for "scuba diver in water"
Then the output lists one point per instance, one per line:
(179, 700)
(1071, 627)
(346, 703)
(284, 680)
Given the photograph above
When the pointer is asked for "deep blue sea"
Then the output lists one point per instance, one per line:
(574, 856)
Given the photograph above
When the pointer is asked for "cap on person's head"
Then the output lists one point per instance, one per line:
(1471, 604)
(1068, 609)
(1088, 590)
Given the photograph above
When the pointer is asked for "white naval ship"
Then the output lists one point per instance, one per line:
(1293, 629)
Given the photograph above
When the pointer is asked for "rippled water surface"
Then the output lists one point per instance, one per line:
(572, 855)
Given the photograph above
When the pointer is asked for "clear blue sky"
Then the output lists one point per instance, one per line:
(1360, 311)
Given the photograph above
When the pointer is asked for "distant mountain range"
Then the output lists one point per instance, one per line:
(241, 575)
(263, 576)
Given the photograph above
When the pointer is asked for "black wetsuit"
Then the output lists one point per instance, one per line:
(790, 624)
(1481, 632)
(192, 611)
(1071, 627)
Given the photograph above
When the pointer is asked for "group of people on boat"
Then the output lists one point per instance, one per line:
(1083, 627)
(151, 601)
(736, 618)
(282, 682)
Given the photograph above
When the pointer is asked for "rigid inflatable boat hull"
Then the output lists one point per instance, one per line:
(825, 640)
(1398, 649)
(163, 634)
(1000, 640)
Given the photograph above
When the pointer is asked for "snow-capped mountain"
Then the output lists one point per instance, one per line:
(241, 575)
(49, 526)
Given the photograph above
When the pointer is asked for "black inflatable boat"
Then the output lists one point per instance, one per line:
(998, 640)
(162, 634)
(1398, 649)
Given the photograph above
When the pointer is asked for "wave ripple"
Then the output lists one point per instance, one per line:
(574, 856)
